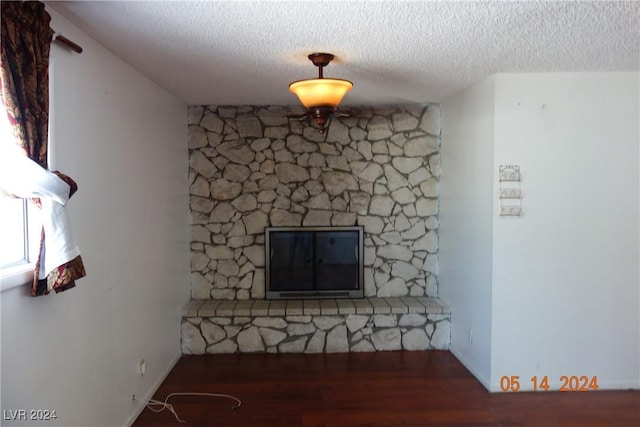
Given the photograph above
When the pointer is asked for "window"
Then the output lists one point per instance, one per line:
(19, 241)
(13, 231)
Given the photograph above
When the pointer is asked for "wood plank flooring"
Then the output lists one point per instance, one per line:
(369, 389)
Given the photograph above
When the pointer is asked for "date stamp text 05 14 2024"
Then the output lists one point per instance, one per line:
(568, 383)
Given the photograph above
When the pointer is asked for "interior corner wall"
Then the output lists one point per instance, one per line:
(124, 140)
(565, 274)
(466, 212)
(555, 292)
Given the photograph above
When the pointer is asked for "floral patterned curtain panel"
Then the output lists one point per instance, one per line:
(24, 82)
(26, 41)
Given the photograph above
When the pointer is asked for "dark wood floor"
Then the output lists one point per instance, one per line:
(369, 389)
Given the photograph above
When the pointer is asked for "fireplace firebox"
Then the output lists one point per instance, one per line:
(314, 262)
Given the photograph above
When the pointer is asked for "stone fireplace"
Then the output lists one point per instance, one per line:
(251, 167)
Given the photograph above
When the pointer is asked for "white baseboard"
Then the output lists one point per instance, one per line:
(152, 390)
(484, 381)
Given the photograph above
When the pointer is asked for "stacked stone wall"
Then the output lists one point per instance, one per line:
(252, 167)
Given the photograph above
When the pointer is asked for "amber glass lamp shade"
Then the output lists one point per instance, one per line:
(320, 92)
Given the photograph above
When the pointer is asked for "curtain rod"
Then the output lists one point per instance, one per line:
(71, 45)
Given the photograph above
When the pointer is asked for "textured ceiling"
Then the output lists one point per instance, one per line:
(238, 52)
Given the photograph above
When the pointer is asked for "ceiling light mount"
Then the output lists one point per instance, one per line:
(321, 60)
(321, 96)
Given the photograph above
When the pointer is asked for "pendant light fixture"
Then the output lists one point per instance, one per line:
(320, 96)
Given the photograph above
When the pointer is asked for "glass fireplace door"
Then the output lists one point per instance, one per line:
(292, 261)
(314, 262)
(336, 260)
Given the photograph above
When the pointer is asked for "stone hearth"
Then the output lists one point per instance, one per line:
(315, 326)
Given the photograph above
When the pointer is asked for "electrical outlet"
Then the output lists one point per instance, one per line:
(470, 336)
(142, 367)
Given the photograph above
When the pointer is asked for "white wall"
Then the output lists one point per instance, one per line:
(564, 295)
(466, 212)
(565, 275)
(123, 139)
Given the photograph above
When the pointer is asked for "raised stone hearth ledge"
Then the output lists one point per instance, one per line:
(314, 307)
(315, 326)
